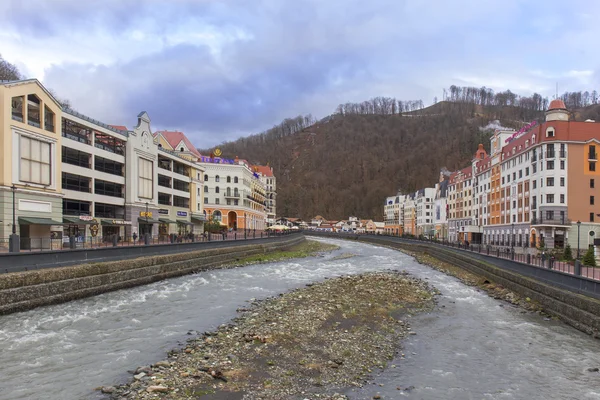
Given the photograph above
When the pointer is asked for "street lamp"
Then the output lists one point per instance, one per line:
(14, 226)
(512, 238)
(14, 241)
(578, 226)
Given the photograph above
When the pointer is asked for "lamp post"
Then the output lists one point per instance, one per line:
(512, 238)
(14, 242)
(578, 226)
(147, 235)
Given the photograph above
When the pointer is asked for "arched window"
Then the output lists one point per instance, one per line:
(228, 179)
(228, 191)
(235, 179)
(205, 178)
(217, 189)
(217, 215)
(217, 179)
(205, 189)
(235, 192)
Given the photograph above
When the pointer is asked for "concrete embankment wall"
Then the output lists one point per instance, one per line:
(578, 310)
(22, 291)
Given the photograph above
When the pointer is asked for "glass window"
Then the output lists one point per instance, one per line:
(35, 161)
(145, 178)
(217, 179)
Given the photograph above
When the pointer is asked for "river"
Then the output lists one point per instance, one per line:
(473, 347)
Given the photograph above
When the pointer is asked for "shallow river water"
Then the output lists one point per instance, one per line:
(472, 348)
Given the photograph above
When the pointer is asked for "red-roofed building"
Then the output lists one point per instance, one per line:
(270, 182)
(178, 142)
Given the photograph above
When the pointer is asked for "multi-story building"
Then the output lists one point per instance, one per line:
(270, 183)
(410, 215)
(30, 169)
(394, 215)
(460, 206)
(425, 224)
(440, 207)
(234, 193)
(76, 177)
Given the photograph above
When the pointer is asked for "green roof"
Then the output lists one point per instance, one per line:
(38, 221)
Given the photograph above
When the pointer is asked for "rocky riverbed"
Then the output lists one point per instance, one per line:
(310, 343)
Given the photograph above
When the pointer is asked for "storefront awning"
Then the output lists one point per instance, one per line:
(38, 221)
(77, 221)
(115, 222)
(198, 218)
(184, 222)
(143, 220)
(166, 221)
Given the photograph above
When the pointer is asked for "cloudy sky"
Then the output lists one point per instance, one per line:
(220, 69)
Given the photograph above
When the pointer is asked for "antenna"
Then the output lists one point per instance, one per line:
(556, 90)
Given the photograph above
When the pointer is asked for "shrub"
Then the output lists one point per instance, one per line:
(568, 253)
(589, 259)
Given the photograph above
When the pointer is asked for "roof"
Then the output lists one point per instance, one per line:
(265, 170)
(176, 137)
(119, 127)
(557, 104)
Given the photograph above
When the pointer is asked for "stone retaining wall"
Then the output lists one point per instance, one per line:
(22, 291)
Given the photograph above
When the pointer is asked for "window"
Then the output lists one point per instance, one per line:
(164, 181)
(75, 182)
(534, 184)
(514, 176)
(533, 168)
(549, 198)
(217, 179)
(33, 110)
(145, 181)
(550, 132)
(592, 183)
(228, 179)
(206, 200)
(520, 173)
(205, 178)
(550, 215)
(205, 189)
(591, 200)
(108, 188)
(592, 166)
(503, 180)
(109, 143)
(48, 119)
(181, 185)
(562, 164)
(74, 207)
(562, 198)
(592, 153)
(217, 216)
(591, 217)
(17, 108)
(550, 164)
(108, 211)
(75, 157)
(217, 201)
(164, 199)
(217, 189)
(549, 181)
(235, 179)
(35, 161)
(562, 181)
(181, 202)
(108, 166)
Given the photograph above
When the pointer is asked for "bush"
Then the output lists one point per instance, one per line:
(568, 253)
(589, 259)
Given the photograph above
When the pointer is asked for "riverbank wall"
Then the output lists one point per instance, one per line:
(22, 291)
(576, 309)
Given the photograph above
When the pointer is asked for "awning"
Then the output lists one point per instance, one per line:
(114, 222)
(38, 221)
(166, 221)
(143, 220)
(184, 222)
(77, 221)
(199, 218)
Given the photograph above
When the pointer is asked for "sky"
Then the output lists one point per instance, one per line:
(221, 69)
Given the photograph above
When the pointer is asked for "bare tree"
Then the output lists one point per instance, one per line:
(8, 71)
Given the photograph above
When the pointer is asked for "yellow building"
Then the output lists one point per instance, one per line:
(30, 167)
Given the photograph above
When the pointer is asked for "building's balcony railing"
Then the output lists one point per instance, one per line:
(560, 220)
(592, 155)
(232, 195)
(563, 154)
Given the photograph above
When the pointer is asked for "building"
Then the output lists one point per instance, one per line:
(270, 184)
(393, 216)
(79, 179)
(409, 215)
(440, 207)
(234, 193)
(424, 199)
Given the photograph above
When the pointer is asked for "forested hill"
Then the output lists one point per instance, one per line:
(347, 163)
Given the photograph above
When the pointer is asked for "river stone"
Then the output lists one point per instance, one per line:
(157, 388)
(139, 376)
(108, 389)
(162, 364)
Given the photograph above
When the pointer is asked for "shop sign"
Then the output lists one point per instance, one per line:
(146, 214)
(181, 213)
(86, 218)
(120, 222)
(163, 211)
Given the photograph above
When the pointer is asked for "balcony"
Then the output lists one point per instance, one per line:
(550, 154)
(229, 195)
(592, 155)
(560, 220)
(563, 154)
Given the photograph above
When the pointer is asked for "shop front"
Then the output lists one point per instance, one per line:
(81, 228)
(113, 227)
(40, 233)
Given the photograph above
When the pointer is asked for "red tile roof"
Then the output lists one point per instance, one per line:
(175, 137)
(119, 127)
(263, 169)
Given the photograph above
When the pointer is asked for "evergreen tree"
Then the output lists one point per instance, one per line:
(589, 259)
(568, 254)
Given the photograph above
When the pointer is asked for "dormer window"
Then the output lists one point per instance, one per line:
(526, 143)
(181, 149)
(160, 146)
(550, 132)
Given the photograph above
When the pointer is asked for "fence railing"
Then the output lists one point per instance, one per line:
(89, 242)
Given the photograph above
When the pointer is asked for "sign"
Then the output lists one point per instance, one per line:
(120, 222)
(218, 152)
(214, 160)
(146, 214)
(94, 230)
(520, 131)
(86, 218)
(163, 211)
(181, 213)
